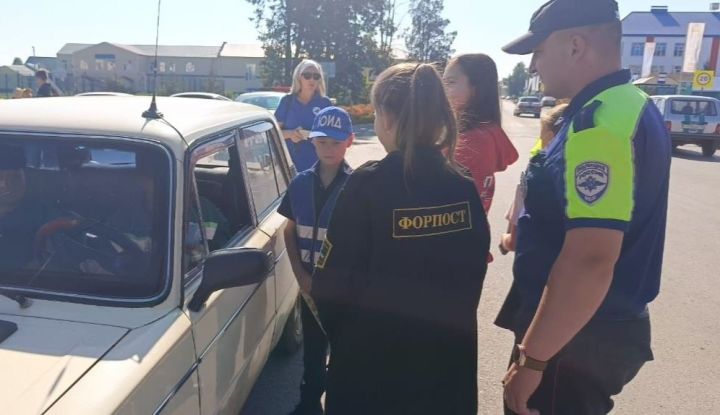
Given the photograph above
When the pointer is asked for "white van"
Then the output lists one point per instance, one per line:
(691, 119)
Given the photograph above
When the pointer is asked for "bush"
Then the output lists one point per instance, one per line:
(361, 113)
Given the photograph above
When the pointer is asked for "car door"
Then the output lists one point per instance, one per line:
(268, 147)
(231, 330)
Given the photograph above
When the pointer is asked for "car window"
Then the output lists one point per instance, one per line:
(84, 217)
(221, 196)
(693, 107)
(265, 102)
(529, 99)
(194, 246)
(262, 168)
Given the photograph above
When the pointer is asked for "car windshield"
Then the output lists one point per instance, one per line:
(529, 99)
(693, 107)
(78, 217)
(268, 102)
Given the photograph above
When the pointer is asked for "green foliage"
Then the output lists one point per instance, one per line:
(353, 34)
(517, 80)
(427, 40)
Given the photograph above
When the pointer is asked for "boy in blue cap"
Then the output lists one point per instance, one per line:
(308, 205)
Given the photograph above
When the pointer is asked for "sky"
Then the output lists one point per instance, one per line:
(482, 25)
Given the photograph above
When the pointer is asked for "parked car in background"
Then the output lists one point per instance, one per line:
(528, 105)
(202, 95)
(548, 102)
(691, 119)
(265, 99)
(148, 272)
(103, 94)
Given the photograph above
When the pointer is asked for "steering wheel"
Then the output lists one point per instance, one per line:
(128, 258)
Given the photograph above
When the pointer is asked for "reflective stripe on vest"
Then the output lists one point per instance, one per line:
(310, 235)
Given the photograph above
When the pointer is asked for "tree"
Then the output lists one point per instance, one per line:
(427, 39)
(517, 80)
(17, 61)
(324, 30)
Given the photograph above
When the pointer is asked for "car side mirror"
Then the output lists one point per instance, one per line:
(233, 267)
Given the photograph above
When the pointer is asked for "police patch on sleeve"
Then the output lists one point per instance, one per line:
(591, 181)
(430, 221)
(324, 254)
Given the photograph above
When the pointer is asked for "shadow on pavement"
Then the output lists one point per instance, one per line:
(696, 155)
(277, 390)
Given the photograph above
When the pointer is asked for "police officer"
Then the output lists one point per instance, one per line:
(590, 241)
(399, 278)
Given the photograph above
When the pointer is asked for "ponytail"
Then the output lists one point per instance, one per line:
(414, 94)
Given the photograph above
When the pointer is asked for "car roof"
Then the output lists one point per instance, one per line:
(685, 97)
(206, 95)
(102, 93)
(262, 94)
(122, 116)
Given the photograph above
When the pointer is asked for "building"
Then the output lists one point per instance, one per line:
(225, 69)
(15, 76)
(668, 29)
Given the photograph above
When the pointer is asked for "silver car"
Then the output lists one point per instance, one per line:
(144, 269)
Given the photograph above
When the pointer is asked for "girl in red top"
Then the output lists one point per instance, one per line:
(483, 148)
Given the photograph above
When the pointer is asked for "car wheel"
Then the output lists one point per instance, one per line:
(292, 336)
(708, 149)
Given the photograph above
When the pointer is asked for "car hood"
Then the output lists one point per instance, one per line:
(45, 357)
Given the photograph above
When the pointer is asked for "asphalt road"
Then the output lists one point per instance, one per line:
(683, 379)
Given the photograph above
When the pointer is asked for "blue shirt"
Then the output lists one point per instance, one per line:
(608, 167)
(292, 113)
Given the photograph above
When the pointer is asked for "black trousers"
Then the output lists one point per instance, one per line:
(594, 366)
(315, 346)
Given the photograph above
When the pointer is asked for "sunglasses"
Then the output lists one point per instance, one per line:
(311, 75)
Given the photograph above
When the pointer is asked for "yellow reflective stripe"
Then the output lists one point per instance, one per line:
(610, 144)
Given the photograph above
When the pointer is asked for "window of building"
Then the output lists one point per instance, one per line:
(250, 70)
(677, 69)
(679, 50)
(637, 49)
(189, 67)
(171, 67)
(657, 69)
(635, 69)
(161, 66)
(660, 49)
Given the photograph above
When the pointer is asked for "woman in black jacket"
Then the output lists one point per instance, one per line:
(399, 280)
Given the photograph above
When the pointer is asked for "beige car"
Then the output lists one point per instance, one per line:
(142, 264)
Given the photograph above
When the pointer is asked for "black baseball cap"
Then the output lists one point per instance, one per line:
(560, 15)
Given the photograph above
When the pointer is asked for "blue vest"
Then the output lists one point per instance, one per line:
(312, 228)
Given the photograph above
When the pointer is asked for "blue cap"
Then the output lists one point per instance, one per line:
(333, 122)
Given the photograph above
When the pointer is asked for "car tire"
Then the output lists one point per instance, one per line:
(708, 149)
(537, 115)
(292, 335)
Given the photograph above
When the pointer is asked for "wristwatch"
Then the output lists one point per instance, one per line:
(526, 361)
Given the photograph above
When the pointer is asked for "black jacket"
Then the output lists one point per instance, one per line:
(397, 288)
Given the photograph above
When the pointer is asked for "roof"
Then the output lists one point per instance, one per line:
(122, 116)
(20, 69)
(688, 97)
(71, 48)
(179, 51)
(669, 23)
(48, 62)
(243, 50)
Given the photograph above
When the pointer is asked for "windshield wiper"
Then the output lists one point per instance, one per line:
(22, 301)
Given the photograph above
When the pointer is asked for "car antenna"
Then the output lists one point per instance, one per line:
(152, 112)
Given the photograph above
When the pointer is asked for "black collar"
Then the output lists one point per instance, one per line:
(593, 89)
(344, 169)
